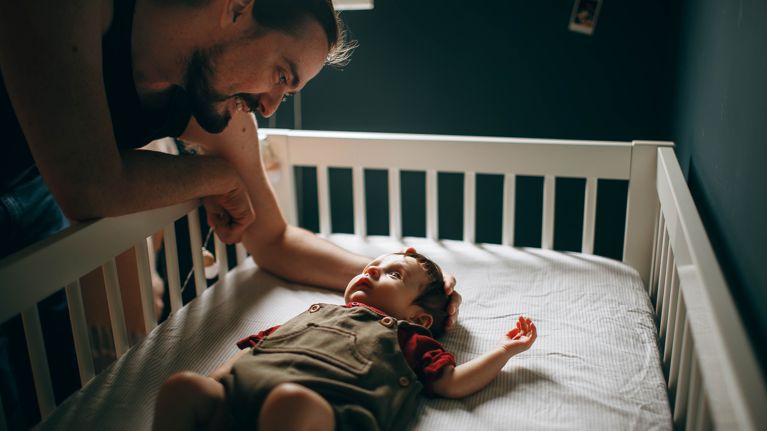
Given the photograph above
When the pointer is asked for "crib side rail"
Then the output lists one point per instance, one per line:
(38, 271)
(713, 377)
(473, 155)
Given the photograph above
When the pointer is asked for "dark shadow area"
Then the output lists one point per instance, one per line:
(450, 205)
(489, 215)
(341, 200)
(413, 203)
(377, 201)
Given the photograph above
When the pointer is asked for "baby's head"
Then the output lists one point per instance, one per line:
(407, 286)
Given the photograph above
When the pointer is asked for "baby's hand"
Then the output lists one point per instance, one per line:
(520, 338)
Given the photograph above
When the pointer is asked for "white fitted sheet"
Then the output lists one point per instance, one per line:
(595, 364)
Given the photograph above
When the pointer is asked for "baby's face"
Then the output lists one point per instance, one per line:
(390, 283)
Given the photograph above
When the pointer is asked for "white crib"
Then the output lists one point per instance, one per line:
(712, 376)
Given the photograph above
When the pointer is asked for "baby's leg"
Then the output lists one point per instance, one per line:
(296, 408)
(189, 401)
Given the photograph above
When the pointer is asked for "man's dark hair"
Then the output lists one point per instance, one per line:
(432, 298)
(290, 15)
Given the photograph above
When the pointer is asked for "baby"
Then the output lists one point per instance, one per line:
(358, 366)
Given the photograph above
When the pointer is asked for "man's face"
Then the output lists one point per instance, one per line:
(390, 283)
(252, 73)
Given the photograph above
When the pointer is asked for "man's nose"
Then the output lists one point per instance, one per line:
(270, 102)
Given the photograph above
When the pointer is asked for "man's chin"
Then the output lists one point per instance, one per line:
(213, 123)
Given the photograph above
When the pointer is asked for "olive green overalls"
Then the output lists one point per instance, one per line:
(350, 356)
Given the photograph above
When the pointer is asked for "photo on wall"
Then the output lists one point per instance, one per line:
(584, 16)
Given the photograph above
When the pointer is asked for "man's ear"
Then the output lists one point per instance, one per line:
(419, 316)
(233, 10)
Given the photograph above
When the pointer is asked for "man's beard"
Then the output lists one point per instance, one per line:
(203, 97)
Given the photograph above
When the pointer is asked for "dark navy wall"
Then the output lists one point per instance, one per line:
(721, 133)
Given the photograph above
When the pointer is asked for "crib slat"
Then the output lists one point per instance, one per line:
(432, 220)
(145, 285)
(80, 332)
(703, 421)
(658, 245)
(469, 206)
(240, 253)
(509, 196)
(38, 361)
(654, 257)
(676, 348)
(195, 243)
(694, 398)
(683, 384)
(395, 214)
(589, 215)
(671, 319)
(323, 199)
(665, 252)
(669, 285)
(222, 258)
(358, 187)
(115, 305)
(171, 267)
(549, 189)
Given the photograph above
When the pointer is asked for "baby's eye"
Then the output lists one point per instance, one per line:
(395, 274)
(283, 79)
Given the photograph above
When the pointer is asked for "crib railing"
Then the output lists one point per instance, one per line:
(712, 375)
(469, 155)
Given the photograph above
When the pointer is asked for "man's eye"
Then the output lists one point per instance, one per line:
(395, 274)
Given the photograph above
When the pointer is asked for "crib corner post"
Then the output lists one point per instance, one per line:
(278, 144)
(641, 207)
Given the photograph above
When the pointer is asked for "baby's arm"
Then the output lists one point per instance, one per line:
(465, 379)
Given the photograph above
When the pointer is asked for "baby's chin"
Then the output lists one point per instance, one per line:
(355, 296)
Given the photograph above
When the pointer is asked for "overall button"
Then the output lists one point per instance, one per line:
(404, 381)
(387, 321)
(314, 308)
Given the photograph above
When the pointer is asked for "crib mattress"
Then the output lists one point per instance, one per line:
(595, 364)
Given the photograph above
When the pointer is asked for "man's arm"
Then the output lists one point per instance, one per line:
(287, 251)
(465, 379)
(50, 55)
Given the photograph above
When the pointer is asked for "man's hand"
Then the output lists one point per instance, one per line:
(520, 338)
(230, 214)
(455, 297)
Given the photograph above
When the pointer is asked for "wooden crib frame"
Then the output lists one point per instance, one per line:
(713, 378)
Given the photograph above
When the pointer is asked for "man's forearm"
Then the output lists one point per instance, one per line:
(148, 180)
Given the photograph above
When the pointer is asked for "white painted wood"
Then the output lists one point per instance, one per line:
(323, 199)
(670, 320)
(657, 246)
(240, 253)
(222, 258)
(459, 153)
(195, 244)
(171, 267)
(683, 384)
(589, 216)
(115, 304)
(284, 186)
(509, 204)
(676, 349)
(432, 209)
(360, 213)
(352, 5)
(73, 253)
(703, 422)
(395, 212)
(469, 206)
(145, 284)
(641, 206)
(694, 398)
(80, 332)
(665, 254)
(730, 372)
(549, 191)
(38, 361)
(668, 287)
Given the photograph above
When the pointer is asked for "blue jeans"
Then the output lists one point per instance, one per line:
(28, 213)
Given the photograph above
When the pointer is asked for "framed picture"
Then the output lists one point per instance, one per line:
(584, 16)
